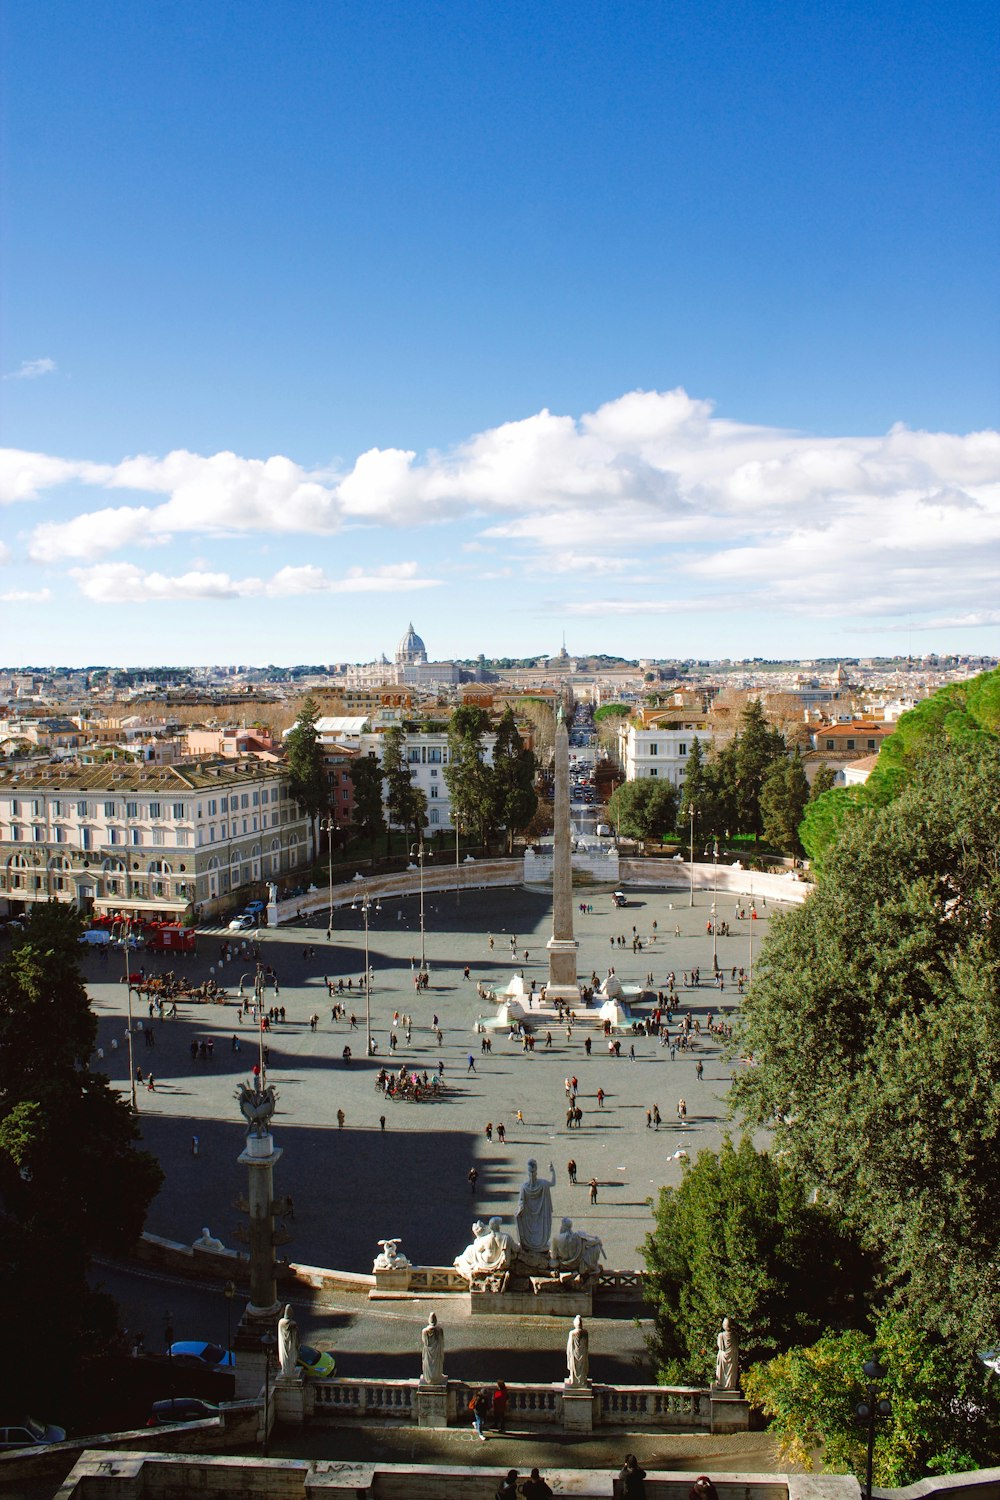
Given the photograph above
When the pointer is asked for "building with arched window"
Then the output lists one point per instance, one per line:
(148, 841)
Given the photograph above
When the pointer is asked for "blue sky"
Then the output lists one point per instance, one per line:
(672, 327)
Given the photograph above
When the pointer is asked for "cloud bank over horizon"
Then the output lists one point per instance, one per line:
(650, 485)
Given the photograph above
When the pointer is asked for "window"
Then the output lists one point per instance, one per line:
(434, 791)
(434, 756)
(850, 744)
(135, 836)
(256, 799)
(413, 756)
(222, 830)
(177, 810)
(81, 809)
(434, 816)
(109, 809)
(682, 749)
(86, 841)
(871, 744)
(211, 833)
(15, 808)
(212, 808)
(829, 744)
(15, 835)
(60, 835)
(345, 794)
(254, 822)
(154, 809)
(654, 749)
(158, 836)
(38, 834)
(38, 807)
(131, 809)
(56, 809)
(182, 837)
(225, 804)
(434, 773)
(244, 799)
(245, 828)
(114, 836)
(653, 771)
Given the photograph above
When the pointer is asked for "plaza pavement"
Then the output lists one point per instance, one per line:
(352, 1187)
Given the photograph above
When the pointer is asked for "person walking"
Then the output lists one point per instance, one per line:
(473, 1179)
(500, 1407)
(593, 1190)
(472, 1064)
(502, 1133)
(571, 1170)
(341, 1117)
(381, 1122)
(480, 1411)
(600, 1098)
(699, 1069)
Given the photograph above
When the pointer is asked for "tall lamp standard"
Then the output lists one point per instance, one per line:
(458, 872)
(126, 926)
(715, 905)
(869, 1411)
(327, 826)
(691, 860)
(365, 906)
(418, 852)
(267, 1343)
(229, 1292)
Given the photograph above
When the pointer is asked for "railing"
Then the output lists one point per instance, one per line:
(682, 1408)
(437, 1279)
(659, 1406)
(364, 1398)
(621, 1281)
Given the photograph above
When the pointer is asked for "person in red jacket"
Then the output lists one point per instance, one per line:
(500, 1407)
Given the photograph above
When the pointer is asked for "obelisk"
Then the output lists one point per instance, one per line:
(562, 983)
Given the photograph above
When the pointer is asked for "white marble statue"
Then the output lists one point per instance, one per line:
(288, 1342)
(577, 1354)
(534, 1210)
(390, 1257)
(727, 1361)
(207, 1241)
(492, 1249)
(432, 1353)
(573, 1251)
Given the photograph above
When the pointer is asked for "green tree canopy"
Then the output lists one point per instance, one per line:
(739, 1239)
(959, 713)
(405, 803)
(945, 1413)
(874, 1020)
(514, 778)
(473, 790)
(72, 1182)
(644, 809)
(783, 798)
(306, 764)
(611, 711)
(757, 747)
(369, 810)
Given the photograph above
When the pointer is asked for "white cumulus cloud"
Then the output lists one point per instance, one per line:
(125, 583)
(32, 369)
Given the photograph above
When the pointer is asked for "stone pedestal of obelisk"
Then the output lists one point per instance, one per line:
(562, 983)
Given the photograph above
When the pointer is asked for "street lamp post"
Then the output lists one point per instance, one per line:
(126, 923)
(691, 860)
(715, 905)
(267, 1343)
(458, 872)
(168, 1344)
(418, 850)
(365, 906)
(327, 825)
(869, 1411)
(229, 1292)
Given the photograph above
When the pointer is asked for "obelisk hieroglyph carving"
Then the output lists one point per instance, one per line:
(562, 983)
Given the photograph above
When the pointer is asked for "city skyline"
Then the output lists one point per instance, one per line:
(676, 334)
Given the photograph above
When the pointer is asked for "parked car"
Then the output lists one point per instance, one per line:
(180, 1409)
(242, 923)
(30, 1433)
(253, 907)
(316, 1361)
(198, 1352)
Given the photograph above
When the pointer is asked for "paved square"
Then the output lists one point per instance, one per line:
(355, 1185)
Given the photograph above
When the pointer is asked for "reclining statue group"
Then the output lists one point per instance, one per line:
(568, 1259)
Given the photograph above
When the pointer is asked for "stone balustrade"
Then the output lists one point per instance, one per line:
(360, 1399)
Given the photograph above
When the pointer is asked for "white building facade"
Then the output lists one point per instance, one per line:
(151, 841)
(662, 751)
(426, 754)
